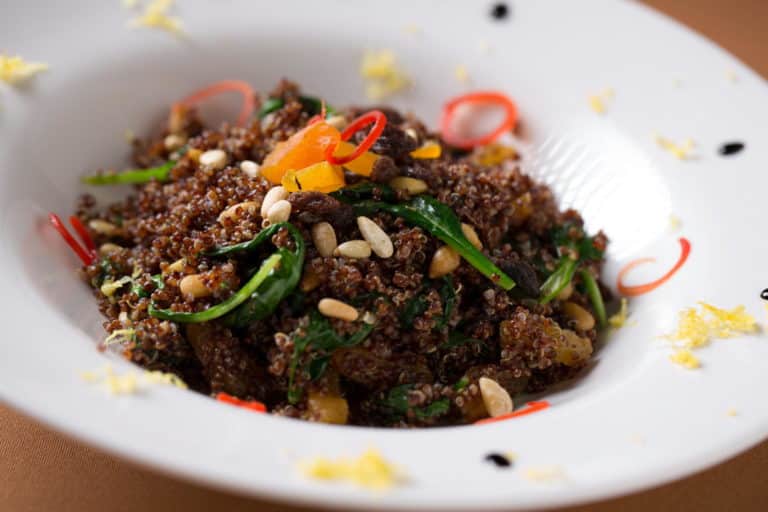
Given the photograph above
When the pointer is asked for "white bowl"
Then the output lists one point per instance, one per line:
(105, 78)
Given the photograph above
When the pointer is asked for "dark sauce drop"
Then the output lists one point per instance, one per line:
(500, 460)
(499, 11)
(731, 148)
(764, 294)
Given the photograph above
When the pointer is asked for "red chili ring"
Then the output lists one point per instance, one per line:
(86, 256)
(379, 121)
(631, 291)
(244, 88)
(479, 97)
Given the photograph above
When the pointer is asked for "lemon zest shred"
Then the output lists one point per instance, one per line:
(544, 474)
(685, 358)
(382, 75)
(682, 151)
(619, 319)
(674, 222)
(118, 336)
(598, 102)
(169, 379)
(697, 327)
(129, 383)
(15, 70)
(110, 287)
(370, 470)
(155, 15)
(461, 73)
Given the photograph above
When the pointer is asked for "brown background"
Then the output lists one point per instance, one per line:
(43, 471)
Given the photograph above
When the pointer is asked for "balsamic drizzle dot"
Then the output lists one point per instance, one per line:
(500, 11)
(500, 460)
(731, 148)
(764, 294)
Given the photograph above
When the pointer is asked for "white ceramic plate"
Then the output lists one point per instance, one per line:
(635, 420)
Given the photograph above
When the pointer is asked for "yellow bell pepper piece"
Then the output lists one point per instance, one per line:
(428, 150)
(362, 165)
(320, 177)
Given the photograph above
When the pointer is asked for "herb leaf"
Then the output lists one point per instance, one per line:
(225, 307)
(448, 297)
(396, 402)
(263, 291)
(558, 280)
(563, 274)
(593, 291)
(320, 336)
(134, 176)
(439, 220)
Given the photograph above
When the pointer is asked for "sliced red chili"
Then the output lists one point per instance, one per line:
(631, 291)
(253, 405)
(477, 98)
(88, 253)
(375, 117)
(530, 408)
(77, 225)
(249, 97)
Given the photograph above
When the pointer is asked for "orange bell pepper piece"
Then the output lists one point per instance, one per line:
(320, 177)
(302, 149)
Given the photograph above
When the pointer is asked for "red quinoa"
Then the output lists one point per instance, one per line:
(432, 361)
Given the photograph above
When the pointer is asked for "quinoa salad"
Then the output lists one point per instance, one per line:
(341, 265)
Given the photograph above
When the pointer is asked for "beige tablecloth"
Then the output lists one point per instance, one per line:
(41, 470)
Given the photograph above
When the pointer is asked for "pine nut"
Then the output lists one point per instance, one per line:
(173, 142)
(109, 248)
(380, 242)
(338, 122)
(102, 227)
(272, 196)
(445, 261)
(214, 159)
(176, 266)
(411, 185)
(369, 318)
(324, 238)
(357, 249)
(471, 235)
(496, 399)
(566, 292)
(236, 211)
(279, 212)
(176, 119)
(250, 168)
(412, 133)
(336, 309)
(582, 319)
(309, 281)
(194, 155)
(193, 285)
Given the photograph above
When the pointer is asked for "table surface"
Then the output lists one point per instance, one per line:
(41, 470)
